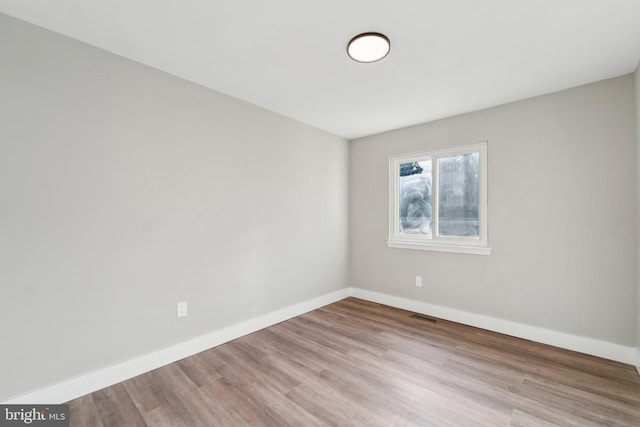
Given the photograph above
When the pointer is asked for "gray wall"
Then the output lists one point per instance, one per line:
(637, 94)
(562, 214)
(124, 190)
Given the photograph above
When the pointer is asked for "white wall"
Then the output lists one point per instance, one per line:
(124, 190)
(562, 215)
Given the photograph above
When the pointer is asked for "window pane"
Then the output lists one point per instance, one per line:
(415, 197)
(459, 191)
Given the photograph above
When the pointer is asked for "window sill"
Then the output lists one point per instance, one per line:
(476, 250)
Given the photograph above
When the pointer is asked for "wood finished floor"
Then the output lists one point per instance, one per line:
(359, 363)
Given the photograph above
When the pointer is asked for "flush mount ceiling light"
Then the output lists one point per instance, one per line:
(368, 47)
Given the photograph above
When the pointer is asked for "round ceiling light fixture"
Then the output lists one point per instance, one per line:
(368, 47)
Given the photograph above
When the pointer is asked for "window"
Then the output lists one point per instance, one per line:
(438, 200)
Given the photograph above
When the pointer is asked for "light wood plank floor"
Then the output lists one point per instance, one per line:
(359, 363)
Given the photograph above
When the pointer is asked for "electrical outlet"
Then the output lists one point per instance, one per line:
(419, 281)
(181, 309)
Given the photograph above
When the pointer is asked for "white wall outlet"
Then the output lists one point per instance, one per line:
(182, 308)
(419, 281)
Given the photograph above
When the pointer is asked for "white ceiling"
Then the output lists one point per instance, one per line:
(289, 56)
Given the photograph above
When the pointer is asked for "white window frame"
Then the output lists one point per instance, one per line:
(469, 245)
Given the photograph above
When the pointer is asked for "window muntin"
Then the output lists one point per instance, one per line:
(438, 200)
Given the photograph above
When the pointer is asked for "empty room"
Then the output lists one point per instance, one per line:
(272, 213)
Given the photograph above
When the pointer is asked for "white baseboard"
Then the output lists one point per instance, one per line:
(99, 379)
(585, 345)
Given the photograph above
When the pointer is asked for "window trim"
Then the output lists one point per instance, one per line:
(468, 245)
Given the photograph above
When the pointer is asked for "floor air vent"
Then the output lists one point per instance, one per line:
(423, 317)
